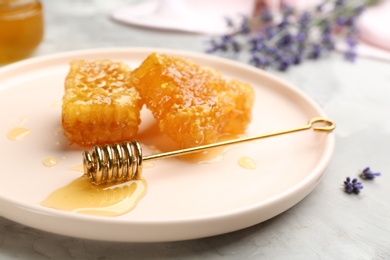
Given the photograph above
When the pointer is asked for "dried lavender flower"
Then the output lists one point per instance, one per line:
(282, 41)
(353, 186)
(368, 174)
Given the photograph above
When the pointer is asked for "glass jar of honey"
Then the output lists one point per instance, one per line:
(21, 29)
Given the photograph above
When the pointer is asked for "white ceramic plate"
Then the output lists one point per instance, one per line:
(184, 200)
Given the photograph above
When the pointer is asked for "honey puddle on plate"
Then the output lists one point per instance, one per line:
(81, 196)
(18, 133)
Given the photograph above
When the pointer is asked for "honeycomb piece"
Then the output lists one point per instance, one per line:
(194, 105)
(100, 104)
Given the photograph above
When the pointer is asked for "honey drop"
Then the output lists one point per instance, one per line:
(18, 133)
(247, 163)
(50, 161)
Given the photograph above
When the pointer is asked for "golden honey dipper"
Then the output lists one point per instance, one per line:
(123, 162)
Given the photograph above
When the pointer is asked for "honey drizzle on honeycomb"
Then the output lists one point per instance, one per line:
(194, 105)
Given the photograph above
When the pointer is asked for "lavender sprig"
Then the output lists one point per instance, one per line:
(368, 174)
(288, 39)
(353, 186)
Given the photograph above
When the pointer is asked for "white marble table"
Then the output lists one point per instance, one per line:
(328, 224)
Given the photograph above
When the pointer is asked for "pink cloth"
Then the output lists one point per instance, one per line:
(207, 17)
(195, 16)
(374, 26)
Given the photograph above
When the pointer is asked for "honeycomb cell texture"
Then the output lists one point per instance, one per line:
(193, 105)
(100, 104)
